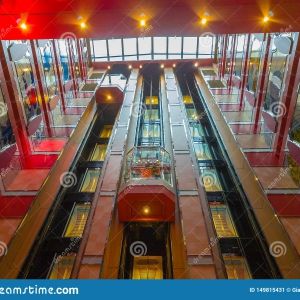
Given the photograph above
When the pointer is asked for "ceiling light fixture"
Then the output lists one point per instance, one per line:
(266, 19)
(143, 22)
(82, 25)
(146, 209)
(23, 26)
(203, 21)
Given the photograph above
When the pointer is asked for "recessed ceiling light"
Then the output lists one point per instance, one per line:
(143, 22)
(23, 26)
(203, 21)
(266, 19)
(82, 25)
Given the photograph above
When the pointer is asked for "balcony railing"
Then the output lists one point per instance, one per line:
(142, 163)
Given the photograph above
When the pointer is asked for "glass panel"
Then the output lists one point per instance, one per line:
(100, 48)
(153, 100)
(77, 220)
(196, 130)
(106, 131)
(222, 221)
(254, 66)
(98, 153)
(191, 113)
(115, 47)
(277, 72)
(49, 71)
(145, 57)
(144, 45)
(150, 130)
(116, 58)
(151, 114)
(210, 180)
(205, 45)
(161, 56)
(174, 45)
(160, 44)
(6, 133)
(187, 56)
(64, 59)
(236, 267)
(62, 267)
(90, 181)
(187, 99)
(147, 162)
(239, 55)
(202, 151)
(189, 45)
(129, 46)
(177, 56)
(130, 58)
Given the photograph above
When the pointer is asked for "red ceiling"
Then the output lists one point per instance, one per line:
(54, 18)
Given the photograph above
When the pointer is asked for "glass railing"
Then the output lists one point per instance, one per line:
(147, 163)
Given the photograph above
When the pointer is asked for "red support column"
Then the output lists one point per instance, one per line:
(41, 91)
(289, 99)
(224, 56)
(232, 62)
(72, 67)
(245, 70)
(262, 82)
(13, 103)
(80, 59)
(56, 61)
